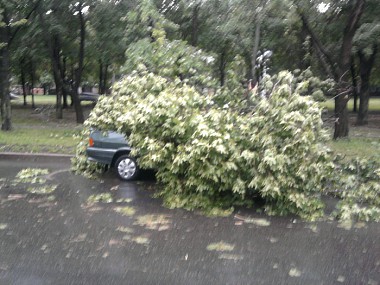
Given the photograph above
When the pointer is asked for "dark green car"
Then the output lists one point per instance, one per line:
(112, 149)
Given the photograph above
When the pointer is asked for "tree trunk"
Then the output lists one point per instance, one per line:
(339, 68)
(100, 77)
(23, 80)
(366, 66)
(105, 78)
(4, 89)
(194, 25)
(52, 43)
(4, 76)
(64, 83)
(79, 71)
(354, 86)
(6, 37)
(325, 58)
(32, 79)
(341, 111)
(222, 67)
(362, 118)
(341, 117)
(255, 48)
(56, 62)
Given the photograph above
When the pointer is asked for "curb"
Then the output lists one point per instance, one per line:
(42, 155)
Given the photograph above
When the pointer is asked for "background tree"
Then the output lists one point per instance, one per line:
(86, 41)
(366, 44)
(13, 15)
(64, 24)
(336, 63)
(106, 43)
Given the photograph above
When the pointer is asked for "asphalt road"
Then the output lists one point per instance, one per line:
(66, 237)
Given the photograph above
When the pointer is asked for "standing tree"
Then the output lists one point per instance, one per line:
(13, 15)
(106, 43)
(5, 40)
(337, 65)
(366, 44)
(79, 9)
(64, 30)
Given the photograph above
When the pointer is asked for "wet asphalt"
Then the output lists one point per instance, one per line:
(66, 237)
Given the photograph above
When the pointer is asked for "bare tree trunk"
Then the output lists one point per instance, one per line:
(23, 80)
(366, 66)
(255, 49)
(4, 75)
(79, 71)
(105, 78)
(4, 90)
(257, 37)
(195, 24)
(32, 79)
(222, 66)
(362, 118)
(354, 85)
(341, 116)
(64, 83)
(56, 61)
(100, 76)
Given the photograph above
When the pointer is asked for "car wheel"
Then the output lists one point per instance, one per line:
(126, 168)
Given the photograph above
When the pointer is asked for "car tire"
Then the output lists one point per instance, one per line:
(126, 168)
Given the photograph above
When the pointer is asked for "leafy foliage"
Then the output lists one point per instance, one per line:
(171, 59)
(152, 49)
(359, 188)
(80, 164)
(308, 84)
(31, 175)
(102, 198)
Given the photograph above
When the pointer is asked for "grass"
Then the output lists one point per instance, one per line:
(357, 147)
(37, 130)
(38, 100)
(41, 100)
(364, 141)
(374, 104)
(50, 140)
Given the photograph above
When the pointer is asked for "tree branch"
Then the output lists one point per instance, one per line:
(12, 36)
(328, 63)
(349, 32)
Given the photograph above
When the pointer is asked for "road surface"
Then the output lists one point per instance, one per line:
(66, 229)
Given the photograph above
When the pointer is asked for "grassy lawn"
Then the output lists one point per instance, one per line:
(37, 130)
(38, 100)
(357, 147)
(41, 100)
(364, 141)
(33, 140)
(374, 104)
